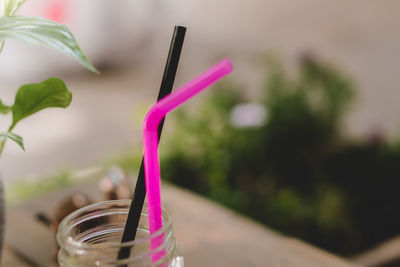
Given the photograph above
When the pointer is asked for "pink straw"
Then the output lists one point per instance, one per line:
(150, 138)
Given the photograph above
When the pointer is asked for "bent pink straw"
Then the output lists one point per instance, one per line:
(150, 139)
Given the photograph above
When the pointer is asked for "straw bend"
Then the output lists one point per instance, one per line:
(153, 118)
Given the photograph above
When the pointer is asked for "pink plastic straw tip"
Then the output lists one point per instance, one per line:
(227, 65)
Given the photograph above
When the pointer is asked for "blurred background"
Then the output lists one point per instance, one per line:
(303, 137)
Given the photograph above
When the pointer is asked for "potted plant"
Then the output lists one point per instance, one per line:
(31, 98)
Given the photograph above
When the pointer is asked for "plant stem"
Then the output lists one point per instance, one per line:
(2, 46)
(3, 142)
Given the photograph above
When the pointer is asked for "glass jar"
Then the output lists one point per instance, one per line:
(91, 236)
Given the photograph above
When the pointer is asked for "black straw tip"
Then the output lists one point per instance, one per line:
(179, 27)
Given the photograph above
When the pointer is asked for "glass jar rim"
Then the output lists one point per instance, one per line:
(64, 240)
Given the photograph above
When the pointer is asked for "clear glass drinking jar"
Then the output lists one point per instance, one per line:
(91, 236)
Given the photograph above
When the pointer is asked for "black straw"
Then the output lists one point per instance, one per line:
(139, 195)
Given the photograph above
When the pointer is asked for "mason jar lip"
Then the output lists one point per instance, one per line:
(64, 240)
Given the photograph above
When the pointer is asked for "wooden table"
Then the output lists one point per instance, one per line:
(208, 235)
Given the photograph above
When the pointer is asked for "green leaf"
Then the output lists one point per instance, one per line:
(4, 109)
(32, 98)
(10, 7)
(14, 137)
(45, 32)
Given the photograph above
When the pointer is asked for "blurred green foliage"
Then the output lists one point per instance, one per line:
(295, 173)
(24, 190)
